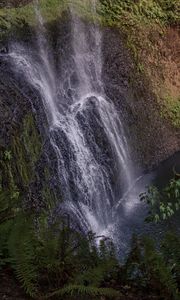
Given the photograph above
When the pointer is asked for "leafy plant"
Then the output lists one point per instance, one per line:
(163, 203)
(161, 11)
(82, 291)
(146, 267)
(171, 110)
(170, 248)
(7, 155)
(56, 256)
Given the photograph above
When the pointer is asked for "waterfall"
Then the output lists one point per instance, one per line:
(86, 132)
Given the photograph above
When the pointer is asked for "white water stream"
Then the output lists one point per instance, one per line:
(87, 133)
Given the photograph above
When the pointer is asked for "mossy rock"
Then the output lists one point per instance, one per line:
(171, 110)
(26, 150)
(31, 139)
(13, 3)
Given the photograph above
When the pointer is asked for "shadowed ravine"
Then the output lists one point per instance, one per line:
(86, 132)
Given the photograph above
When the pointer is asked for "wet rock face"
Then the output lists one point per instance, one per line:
(12, 105)
(152, 137)
(22, 135)
(24, 125)
(24, 130)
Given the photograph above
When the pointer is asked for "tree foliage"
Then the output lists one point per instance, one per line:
(162, 203)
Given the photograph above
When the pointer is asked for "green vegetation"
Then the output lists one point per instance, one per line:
(148, 268)
(163, 203)
(14, 19)
(117, 12)
(50, 9)
(54, 256)
(51, 260)
(31, 139)
(55, 262)
(129, 12)
(26, 150)
(171, 110)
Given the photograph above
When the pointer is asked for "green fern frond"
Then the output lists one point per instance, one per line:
(95, 276)
(81, 290)
(21, 246)
(158, 269)
(5, 228)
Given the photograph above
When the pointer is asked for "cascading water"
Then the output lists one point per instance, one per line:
(85, 131)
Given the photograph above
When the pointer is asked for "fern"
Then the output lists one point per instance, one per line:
(97, 276)
(5, 228)
(170, 248)
(147, 268)
(21, 246)
(158, 271)
(81, 290)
